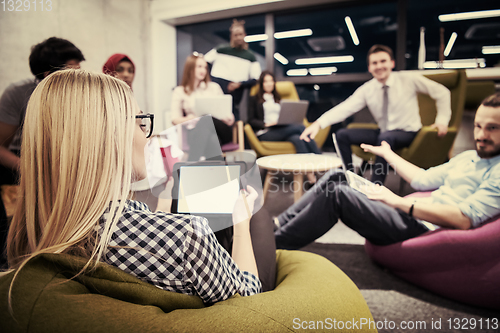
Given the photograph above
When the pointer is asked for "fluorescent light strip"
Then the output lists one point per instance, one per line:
(322, 70)
(281, 58)
(469, 15)
(456, 63)
(255, 38)
(293, 33)
(352, 31)
(449, 46)
(494, 49)
(324, 60)
(297, 72)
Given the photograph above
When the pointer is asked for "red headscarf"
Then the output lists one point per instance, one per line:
(110, 65)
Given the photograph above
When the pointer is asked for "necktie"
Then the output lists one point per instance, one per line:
(385, 104)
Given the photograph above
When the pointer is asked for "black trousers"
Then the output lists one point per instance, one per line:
(331, 199)
(397, 139)
(264, 246)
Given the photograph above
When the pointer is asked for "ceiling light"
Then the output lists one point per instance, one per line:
(322, 70)
(293, 33)
(449, 46)
(469, 15)
(494, 49)
(255, 38)
(281, 58)
(352, 31)
(297, 72)
(456, 63)
(324, 60)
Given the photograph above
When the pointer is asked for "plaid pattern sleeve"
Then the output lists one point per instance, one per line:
(178, 253)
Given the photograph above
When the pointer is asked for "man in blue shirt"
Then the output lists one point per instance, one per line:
(466, 193)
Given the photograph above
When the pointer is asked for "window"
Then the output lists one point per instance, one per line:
(468, 37)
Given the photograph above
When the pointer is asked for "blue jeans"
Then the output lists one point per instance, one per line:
(331, 199)
(397, 139)
(291, 133)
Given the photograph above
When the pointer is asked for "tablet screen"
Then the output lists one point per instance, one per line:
(208, 189)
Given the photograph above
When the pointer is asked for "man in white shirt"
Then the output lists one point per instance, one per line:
(396, 113)
(465, 194)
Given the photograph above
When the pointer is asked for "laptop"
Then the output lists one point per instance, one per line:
(209, 189)
(337, 150)
(220, 106)
(292, 112)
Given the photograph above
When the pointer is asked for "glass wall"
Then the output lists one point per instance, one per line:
(338, 38)
(463, 40)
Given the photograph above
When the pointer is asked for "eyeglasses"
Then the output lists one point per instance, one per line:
(146, 123)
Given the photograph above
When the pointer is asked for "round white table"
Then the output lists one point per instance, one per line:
(298, 165)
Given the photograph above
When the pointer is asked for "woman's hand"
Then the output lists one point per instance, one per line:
(244, 205)
(229, 121)
(270, 124)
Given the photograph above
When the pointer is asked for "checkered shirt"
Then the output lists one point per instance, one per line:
(176, 252)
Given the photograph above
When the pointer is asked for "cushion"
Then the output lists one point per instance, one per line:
(463, 265)
(309, 289)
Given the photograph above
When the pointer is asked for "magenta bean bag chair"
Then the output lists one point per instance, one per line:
(463, 265)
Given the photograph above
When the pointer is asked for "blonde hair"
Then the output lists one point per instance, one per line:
(188, 74)
(76, 163)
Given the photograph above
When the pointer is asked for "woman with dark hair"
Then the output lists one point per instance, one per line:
(263, 114)
(120, 66)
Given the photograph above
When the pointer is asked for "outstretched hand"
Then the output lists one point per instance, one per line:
(310, 132)
(243, 207)
(381, 150)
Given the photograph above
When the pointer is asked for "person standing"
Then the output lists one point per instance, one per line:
(45, 58)
(234, 67)
(392, 100)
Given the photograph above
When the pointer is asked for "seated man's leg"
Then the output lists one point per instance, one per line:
(396, 139)
(375, 221)
(332, 176)
(353, 136)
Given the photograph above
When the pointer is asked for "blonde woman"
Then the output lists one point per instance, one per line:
(82, 147)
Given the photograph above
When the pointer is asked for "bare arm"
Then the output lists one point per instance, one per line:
(404, 168)
(8, 158)
(243, 253)
(443, 215)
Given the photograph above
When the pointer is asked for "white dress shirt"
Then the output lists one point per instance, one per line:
(403, 110)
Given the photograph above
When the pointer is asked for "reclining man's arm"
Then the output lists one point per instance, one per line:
(402, 167)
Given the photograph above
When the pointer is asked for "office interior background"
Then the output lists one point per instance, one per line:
(320, 45)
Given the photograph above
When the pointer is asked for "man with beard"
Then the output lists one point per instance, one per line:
(466, 194)
(234, 67)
